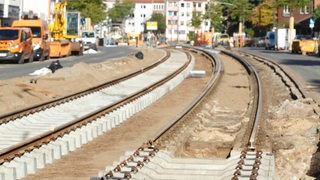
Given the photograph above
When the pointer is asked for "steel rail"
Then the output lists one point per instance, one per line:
(267, 60)
(218, 70)
(10, 153)
(251, 70)
(148, 150)
(5, 118)
(250, 160)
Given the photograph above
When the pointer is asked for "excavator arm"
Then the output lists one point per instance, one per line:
(58, 29)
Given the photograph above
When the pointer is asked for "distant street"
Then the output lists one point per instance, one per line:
(12, 70)
(307, 66)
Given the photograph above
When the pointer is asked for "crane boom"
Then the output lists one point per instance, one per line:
(62, 44)
(59, 26)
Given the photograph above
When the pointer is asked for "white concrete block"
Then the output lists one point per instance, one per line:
(8, 173)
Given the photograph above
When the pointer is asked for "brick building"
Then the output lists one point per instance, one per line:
(301, 17)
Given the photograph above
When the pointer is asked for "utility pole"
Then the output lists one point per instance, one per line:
(178, 21)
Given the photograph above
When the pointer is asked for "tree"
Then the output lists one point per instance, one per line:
(120, 10)
(316, 16)
(214, 13)
(292, 4)
(93, 9)
(161, 21)
(263, 14)
(316, 13)
(241, 10)
(196, 20)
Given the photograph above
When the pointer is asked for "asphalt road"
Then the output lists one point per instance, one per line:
(307, 66)
(12, 70)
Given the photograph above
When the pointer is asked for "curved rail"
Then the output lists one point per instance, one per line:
(251, 69)
(27, 146)
(218, 69)
(247, 166)
(276, 66)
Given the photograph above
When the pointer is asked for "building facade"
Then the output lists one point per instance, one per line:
(9, 11)
(142, 12)
(178, 14)
(178, 18)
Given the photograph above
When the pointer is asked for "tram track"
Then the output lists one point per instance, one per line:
(43, 125)
(165, 155)
(161, 165)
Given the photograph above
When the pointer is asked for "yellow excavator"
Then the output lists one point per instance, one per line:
(63, 44)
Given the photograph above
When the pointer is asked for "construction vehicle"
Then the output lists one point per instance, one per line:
(203, 39)
(65, 32)
(16, 44)
(135, 38)
(39, 28)
(304, 44)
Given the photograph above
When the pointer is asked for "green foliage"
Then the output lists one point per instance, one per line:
(161, 20)
(263, 14)
(120, 10)
(241, 10)
(249, 32)
(316, 13)
(196, 20)
(93, 9)
(191, 35)
(256, 2)
(292, 3)
(214, 14)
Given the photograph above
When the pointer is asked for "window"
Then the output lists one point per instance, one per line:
(181, 23)
(199, 4)
(182, 5)
(188, 5)
(305, 10)
(194, 4)
(286, 11)
(172, 22)
(170, 13)
(36, 32)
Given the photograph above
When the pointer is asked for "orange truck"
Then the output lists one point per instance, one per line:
(39, 28)
(16, 45)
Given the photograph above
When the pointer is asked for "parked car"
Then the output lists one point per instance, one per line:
(90, 40)
(16, 44)
(261, 42)
(304, 44)
(39, 28)
(270, 40)
(223, 39)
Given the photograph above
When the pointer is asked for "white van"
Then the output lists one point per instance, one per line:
(270, 40)
(89, 39)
